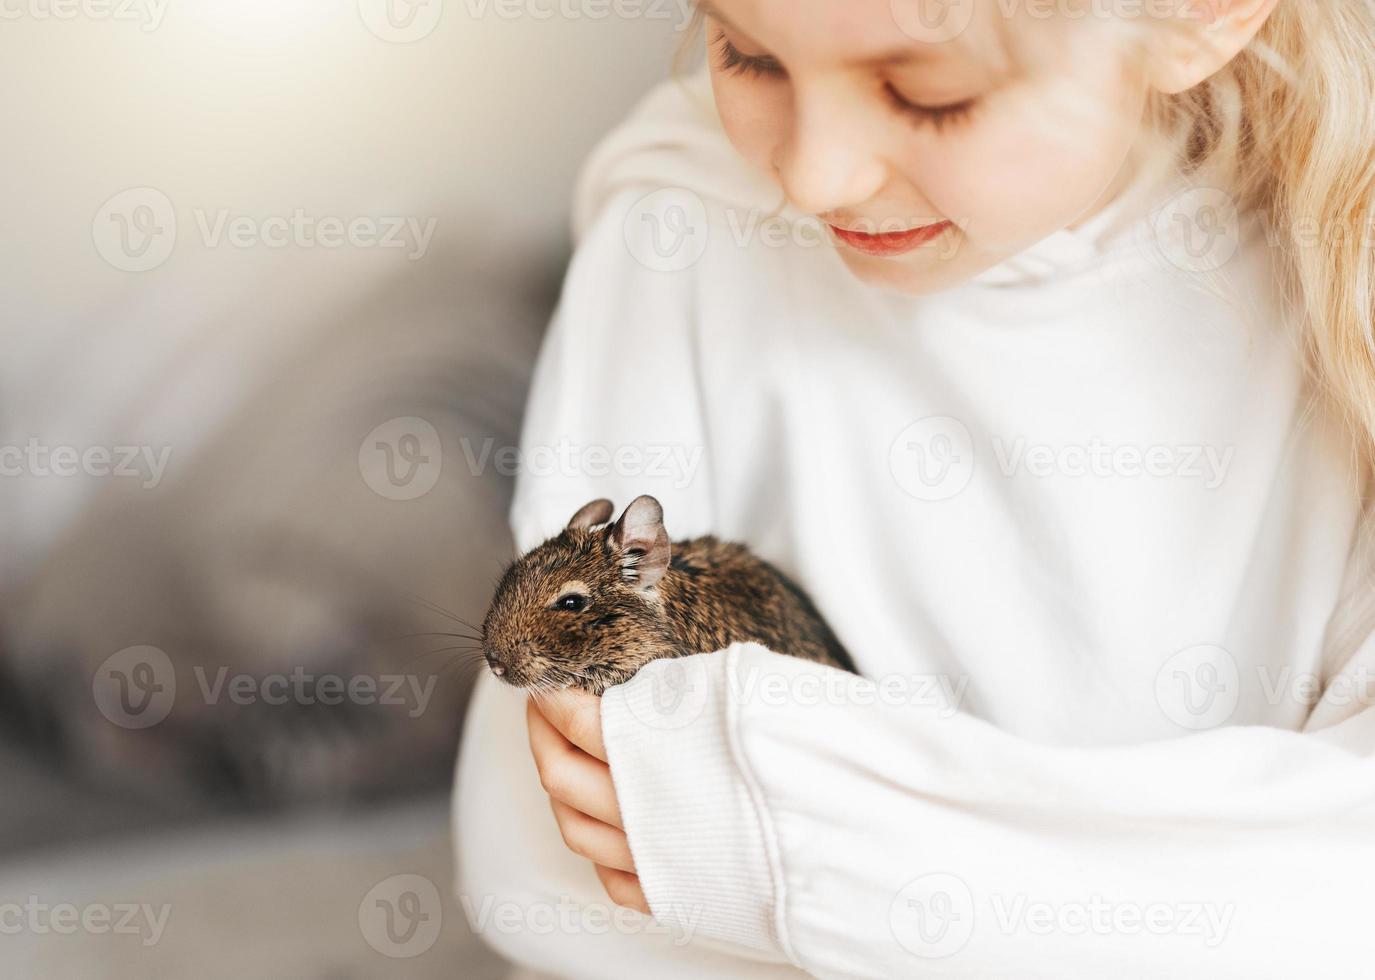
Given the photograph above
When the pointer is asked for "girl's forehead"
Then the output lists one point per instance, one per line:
(994, 37)
(856, 32)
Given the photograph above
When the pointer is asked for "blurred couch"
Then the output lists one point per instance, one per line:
(289, 263)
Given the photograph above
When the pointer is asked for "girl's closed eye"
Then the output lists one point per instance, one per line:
(732, 59)
(939, 116)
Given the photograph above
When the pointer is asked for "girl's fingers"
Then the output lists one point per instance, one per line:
(623, 888)
(566, 740)
(569, 774)
(578, 717)
(599, 842)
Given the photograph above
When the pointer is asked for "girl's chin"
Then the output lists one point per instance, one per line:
(918, 273)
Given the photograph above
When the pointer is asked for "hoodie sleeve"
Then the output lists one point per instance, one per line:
(793, 809)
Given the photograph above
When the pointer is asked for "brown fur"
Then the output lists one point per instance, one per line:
(711, 594)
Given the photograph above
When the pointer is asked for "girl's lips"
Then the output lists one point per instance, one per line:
(891, 242)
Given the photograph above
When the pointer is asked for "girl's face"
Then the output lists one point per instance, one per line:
(950, 153)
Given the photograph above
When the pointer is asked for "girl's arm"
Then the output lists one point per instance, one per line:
(796, 809)
(538, 902)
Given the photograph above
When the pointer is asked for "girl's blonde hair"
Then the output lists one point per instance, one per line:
(1290, 123)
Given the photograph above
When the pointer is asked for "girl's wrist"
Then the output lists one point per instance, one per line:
(702, 845)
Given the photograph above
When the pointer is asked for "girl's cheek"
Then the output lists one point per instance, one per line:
(754, 116)
(1024, 174)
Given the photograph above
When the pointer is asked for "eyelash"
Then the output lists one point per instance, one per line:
(754, 66)
(938, 116)
(733, 60)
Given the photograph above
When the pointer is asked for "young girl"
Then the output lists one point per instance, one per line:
(1035, 340)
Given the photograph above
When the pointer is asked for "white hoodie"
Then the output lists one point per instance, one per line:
(1088, 541)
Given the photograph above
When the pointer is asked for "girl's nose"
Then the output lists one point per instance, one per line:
(828, 161)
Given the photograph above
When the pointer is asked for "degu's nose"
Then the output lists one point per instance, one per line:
(497, 666)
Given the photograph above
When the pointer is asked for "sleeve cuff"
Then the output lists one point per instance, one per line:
(702, 843)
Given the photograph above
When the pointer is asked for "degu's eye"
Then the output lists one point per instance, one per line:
(573, 602)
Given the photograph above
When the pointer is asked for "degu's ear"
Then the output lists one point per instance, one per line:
(597, 512)
(643, 543)
(1203, 40)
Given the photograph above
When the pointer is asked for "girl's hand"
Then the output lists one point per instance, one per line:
(566, 739)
